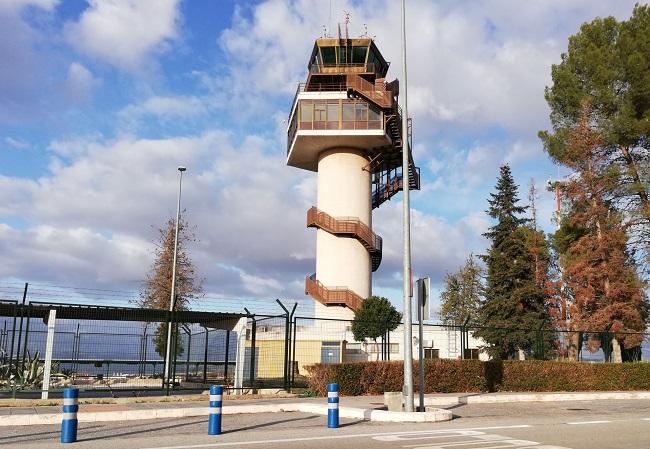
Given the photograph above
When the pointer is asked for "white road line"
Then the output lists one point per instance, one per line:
(645, 419)
(577, 423)
(329, 437)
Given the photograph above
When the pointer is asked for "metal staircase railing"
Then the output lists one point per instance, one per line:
(348, 226)
(332, 296)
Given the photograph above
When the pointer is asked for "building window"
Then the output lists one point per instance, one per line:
(359, 55)
(361, 112)
(431, 353)
(329, 55)
(333, 112)
(320, 113)
(471, 353)
(348, 112)
(306, 112)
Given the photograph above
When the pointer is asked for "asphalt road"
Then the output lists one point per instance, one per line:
(573, 425)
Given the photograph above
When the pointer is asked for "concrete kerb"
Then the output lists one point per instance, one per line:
(500, 398)
(435, 415)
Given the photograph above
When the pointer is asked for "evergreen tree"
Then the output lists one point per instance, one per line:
(513, 310)
(374, 319)
(607, 65)
(158, 283)
(602, 277)
(462, 295)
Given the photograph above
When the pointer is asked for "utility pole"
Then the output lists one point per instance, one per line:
(407, 390)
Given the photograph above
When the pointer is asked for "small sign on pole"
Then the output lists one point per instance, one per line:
(424, 292)
(424, 313)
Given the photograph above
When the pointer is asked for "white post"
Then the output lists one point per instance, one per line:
(49, 349)
(240, 331)
(408, 342)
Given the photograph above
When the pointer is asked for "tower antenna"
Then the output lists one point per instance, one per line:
(330, 22)
(347, 22)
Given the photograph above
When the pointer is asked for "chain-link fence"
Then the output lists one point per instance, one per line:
(45, 347)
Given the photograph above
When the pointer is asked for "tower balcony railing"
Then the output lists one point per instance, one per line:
(332, 296)
(334, 114)
(335, 69)
(348, 226)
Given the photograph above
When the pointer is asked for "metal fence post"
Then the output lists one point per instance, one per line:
(25, 343)
(49, 349)
(69, 421)
(205, 356)
(253, 351)
(216, 401)
(285, 380)
(226, 358)
(293, 352)
(13, 338)
(20, 331)
(189, 352)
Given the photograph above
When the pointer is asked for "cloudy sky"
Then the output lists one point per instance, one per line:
(101, 100)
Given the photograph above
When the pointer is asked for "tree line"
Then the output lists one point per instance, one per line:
(587, 278)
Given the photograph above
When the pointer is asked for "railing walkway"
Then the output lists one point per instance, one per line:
(348, 226)
(332, 296)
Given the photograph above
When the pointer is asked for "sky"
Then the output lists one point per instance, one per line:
(101, 100)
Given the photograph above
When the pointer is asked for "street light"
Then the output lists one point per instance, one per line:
(172, 299)
(407, 389)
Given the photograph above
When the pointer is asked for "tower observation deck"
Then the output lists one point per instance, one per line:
(345, 124)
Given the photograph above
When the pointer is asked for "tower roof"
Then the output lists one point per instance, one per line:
(359, 56)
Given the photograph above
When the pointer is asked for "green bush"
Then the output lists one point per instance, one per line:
(473, 376)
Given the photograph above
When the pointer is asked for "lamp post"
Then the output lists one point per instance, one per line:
(172, 299)
(407, 390)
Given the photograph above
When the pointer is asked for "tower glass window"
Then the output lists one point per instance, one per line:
(329, 55)
(359, 55)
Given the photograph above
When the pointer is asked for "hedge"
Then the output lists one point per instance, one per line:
(474, 376)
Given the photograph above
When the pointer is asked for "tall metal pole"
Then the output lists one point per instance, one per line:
(407, 390)
(172, 298)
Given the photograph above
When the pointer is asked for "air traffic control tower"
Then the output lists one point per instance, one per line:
(345, 124)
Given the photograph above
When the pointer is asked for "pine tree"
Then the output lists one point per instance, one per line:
(599, 271)
(158, 283)
(607, 65)
(513, 310)
(462, 295)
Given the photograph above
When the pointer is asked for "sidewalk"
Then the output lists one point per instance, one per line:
(360, 407)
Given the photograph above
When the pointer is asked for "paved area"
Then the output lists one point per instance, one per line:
(574, 425)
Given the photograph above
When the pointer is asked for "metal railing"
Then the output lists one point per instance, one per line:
(332, 295)
(350, 226)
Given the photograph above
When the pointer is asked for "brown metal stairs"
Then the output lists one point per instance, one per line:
(387, 181)
(348, 227)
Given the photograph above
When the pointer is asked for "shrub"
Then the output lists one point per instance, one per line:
(473, 376)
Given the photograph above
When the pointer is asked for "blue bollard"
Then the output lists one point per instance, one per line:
(214, 419)
(333, 406)
(70, 409)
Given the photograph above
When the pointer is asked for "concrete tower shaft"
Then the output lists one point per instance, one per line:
(344, 192)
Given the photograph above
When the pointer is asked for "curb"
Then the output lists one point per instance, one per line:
(533, 397)
(435, 415)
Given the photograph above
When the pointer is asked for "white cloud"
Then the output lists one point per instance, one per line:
(125, 33)
(15, 143)
(166, 108)
(79, 83)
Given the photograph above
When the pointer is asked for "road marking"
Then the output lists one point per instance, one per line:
(645, 419)
(577, 423)
(331, 437)
(450, 439)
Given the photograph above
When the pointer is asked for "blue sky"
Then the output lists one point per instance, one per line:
(101, 100)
